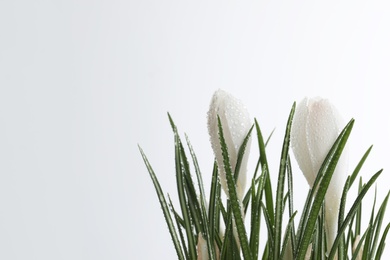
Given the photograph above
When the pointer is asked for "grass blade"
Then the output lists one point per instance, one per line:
(164, 207)
(287, 235)
(256, 216)
(213, 213)
(181, 182)
(353, 210)
(264, 164)
(270, 241)
(280, 186)
(291, 202)
(382, 243)
(202, 199)
(378, 223)
(368, 243)
(343, 201)
(235, 204)
(359, 166)
(179, 224)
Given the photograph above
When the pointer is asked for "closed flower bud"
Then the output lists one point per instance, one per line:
(354, 247)
(315, 128)
(236, 123)
(203, 253)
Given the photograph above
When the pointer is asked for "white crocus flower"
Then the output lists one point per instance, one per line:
(236, 123)
(315, 128)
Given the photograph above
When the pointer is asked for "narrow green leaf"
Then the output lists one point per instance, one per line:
(287, 235)
(270, 230)
(256, 215)
(215, 190)
(229, 248)
(359, 166)
(164, 206)
(202, 199)
(179, 224)
(350, 234)
(343, 201)
(248, 194)
(280, 186)
(240, 154)
(378, 224)
(266, 252)
(352, 211)
(359, 211)
(320, 252)
(264, 164)
(180, 181)
(303, 219)
(368, 243)
(382, 243)
(235, 204)
(291, 202)
(253, 238)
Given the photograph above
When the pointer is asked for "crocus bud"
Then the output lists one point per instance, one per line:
(315, 128)
(236, 123)
(202, 248)
(308, 252)
(354, 247)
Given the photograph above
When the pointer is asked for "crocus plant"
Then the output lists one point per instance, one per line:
(210, 227)
(315, 128)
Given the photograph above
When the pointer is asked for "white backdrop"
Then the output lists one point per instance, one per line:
(83, 82)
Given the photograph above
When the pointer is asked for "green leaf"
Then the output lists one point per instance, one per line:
(164, 206)
(264, 164)
(256, 215)
(255, 224)
(359, 166)
(249, 192)
(303, 219)
(202, 199)
(358, 222)
(291, 202)
(270, 241)
(343, 201)
(215, 191)
(368, 243)
(181, 182)
(287, 235)
(240, 154)
(382, 243)
(235, 204)
(280, 186)
(378, 223)
(352, 211)
(179, 224)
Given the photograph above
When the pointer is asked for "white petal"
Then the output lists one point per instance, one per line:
(299, 142)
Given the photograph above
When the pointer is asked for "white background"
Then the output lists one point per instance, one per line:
(83, 82)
